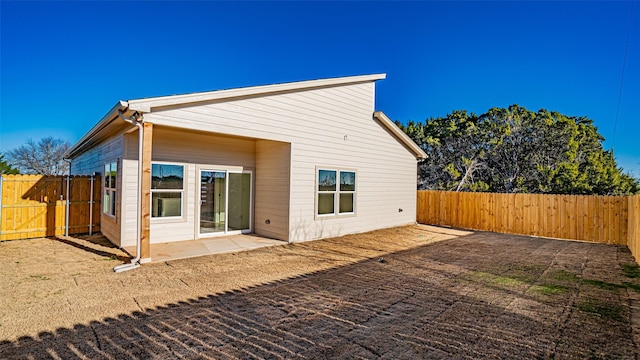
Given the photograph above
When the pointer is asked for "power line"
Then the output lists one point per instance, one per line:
(624, 65)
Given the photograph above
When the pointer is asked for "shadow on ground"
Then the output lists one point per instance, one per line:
(480, 296)
(95, 244)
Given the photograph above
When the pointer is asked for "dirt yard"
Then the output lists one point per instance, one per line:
(413, 292)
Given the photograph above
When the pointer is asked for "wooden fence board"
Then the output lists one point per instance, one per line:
(633, 228)
(580, 217)
(624, 215)
(605, 219)
(614, 229)
(553, 231)
(592, 219)
(601, 214)
(35, 206)
(529, 214)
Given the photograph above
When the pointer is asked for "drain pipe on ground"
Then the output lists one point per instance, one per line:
(135, 262)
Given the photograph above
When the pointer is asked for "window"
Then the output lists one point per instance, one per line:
(110, 179)
(336, 192)
(326, 192)
(167, 188)
(347, 191)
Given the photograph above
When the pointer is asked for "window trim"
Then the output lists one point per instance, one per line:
(113, 191)
(181, 191)
(336, 199)
(353, 192)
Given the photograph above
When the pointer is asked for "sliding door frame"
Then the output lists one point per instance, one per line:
(198, 202)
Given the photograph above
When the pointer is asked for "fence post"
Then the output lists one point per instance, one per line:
(66, 231)
(91, 207)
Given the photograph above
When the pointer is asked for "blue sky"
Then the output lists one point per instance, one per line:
(64, 64)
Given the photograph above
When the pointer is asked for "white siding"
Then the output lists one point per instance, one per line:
(129, 190)
(272, 189)
(93, 161)
(329, 127)
(202, 148)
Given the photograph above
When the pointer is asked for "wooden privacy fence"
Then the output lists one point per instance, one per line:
(633, 241)
(603, 219)
(35, 205)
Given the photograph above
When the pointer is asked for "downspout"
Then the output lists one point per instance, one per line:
(66, 209)
(135, 262)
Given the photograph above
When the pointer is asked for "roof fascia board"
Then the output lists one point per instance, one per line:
(145, 105)
(106, 120)
(384, 120)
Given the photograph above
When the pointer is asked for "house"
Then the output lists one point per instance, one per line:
(295, 161)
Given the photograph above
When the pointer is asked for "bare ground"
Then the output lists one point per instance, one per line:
(437, 293)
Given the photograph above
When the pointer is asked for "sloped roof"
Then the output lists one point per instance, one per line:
(112, 123)
(147, 104)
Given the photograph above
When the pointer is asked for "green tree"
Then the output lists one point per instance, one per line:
(515, 150)
(456, 152)
(6, 168)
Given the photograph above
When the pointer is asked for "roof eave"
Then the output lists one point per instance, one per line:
(78, 147)
(146, 105)
(404, 138)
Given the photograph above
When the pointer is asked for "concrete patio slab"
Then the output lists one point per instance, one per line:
(202, 247)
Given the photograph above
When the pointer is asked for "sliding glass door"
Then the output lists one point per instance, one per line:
(213, 204)
(239, 201)
(225, 202)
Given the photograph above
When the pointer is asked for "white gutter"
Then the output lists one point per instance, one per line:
(135, 262)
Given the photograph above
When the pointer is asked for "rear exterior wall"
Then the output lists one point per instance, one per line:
(273, 168)
(329, 128)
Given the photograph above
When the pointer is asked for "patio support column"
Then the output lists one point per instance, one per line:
(145, 192)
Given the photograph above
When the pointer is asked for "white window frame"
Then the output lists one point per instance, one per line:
(181, 191)
(336, 198)
(109, 207)
(227, 170)
(353, 192)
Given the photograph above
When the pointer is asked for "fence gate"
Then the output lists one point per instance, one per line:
(35, 205)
